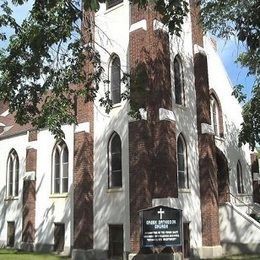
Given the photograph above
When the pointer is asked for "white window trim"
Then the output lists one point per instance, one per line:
(185, 153)
(14, 156)
(213, 102)
(111, 188)
(112, 57)
(180, 63)
(61, 147)
(240, 176)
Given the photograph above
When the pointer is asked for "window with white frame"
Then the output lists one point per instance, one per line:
(12, 174)
(178, 80)
(115, 79)
(114, 162)
(182, 166)
(215, 115)
(60, 168)
(240, 182)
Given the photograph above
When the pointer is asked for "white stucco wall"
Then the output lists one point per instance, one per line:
(232, 118)
(237, 227)
(52, 208)
(49, 208)
(111, 206)
(11, 209)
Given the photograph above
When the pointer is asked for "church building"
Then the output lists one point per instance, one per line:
(83, 195)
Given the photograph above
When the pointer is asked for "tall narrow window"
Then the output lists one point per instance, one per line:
(178, 81)
(116, 242)
(13, 174)
(183, 182)
(115, 162)
(60, 168)
(240, 182)
(115, 80)
(215, 115)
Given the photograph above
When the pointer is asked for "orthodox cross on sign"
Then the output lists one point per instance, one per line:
(160, 212)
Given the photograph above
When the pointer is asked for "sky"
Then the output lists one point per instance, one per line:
(228, 51)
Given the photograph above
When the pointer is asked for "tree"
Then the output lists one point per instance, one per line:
(51, 52)
(240, 19)
(40, 67)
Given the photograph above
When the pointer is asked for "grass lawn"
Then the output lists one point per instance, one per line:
(6, 254)
(240, 257)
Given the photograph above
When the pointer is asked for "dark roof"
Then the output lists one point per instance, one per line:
(11, 127)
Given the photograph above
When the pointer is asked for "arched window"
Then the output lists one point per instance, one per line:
(60, 168)
(240, 182)
(114, 162)
(115, 79)
(178, 81)
(216, 114)
(183, 180)
(12, 174)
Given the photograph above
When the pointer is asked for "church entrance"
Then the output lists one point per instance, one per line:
(223, 178)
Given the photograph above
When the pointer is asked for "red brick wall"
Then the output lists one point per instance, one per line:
(207, 157)
(206, 144)
(83, 191)
(28, 232)
(32, 135)
(152, 143)
(197, 32)
(152, 153)
(223, 178)
(31, 159)
(3, 106)
(256, 185)
(83, 158)
(29, 198)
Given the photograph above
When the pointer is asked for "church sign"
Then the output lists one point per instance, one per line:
(161, 227)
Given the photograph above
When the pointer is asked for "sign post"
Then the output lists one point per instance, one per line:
(161, 227)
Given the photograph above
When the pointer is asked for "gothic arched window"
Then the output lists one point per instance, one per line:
(114, 162)
(12, 174)
(183, 180)
(60, 168)
(216, 114)
(240, 182)
(115, 79)
(178, 81)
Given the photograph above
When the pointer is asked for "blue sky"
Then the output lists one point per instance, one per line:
(229, 51)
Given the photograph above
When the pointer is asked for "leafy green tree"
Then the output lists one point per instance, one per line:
(52, 51)
(240, 19)
(48, 54)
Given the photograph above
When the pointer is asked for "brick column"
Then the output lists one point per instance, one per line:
(29, 199)
(83, 191)
(256, 183)
(152, 142)
(206, 143)
(83, 156)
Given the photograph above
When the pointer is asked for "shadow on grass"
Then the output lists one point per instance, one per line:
(9, 254)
